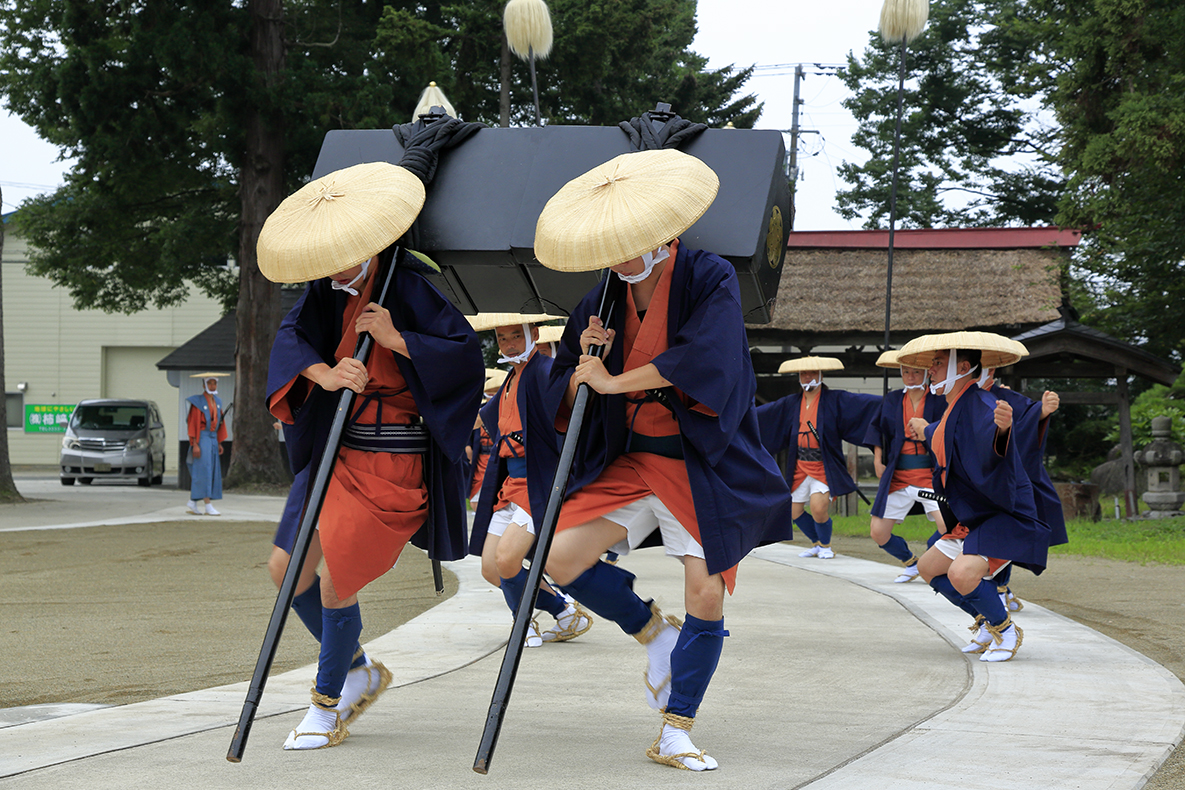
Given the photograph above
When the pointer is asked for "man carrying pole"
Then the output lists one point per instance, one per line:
(398, 472)
(672, 441)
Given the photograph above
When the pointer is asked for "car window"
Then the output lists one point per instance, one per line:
(115, 417)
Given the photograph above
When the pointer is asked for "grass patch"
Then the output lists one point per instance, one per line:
(1153, 541)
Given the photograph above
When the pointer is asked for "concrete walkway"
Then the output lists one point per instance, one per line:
(834, 677)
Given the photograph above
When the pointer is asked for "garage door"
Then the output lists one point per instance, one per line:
(130, 372)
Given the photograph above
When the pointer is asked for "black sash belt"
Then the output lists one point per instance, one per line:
(386, 438)
(914, 462)
(666, 446)
(810, 453)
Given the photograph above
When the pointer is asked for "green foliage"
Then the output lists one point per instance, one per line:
(153, 99)
(1116, 77)
(966, 109)
(1154, 402)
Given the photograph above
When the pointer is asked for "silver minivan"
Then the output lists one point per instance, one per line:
(114, 439)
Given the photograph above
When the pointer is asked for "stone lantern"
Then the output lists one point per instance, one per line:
(1162, 459)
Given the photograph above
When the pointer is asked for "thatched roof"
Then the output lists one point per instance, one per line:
(999, 279)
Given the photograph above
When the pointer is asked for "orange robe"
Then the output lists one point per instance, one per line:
(374, 502)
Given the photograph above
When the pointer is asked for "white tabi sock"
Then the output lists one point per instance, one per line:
(314, 731)
(675, 741)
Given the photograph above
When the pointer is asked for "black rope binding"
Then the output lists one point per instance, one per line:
(424, 139)
(660, 129)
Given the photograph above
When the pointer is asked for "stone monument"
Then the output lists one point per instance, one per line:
(1162, 460)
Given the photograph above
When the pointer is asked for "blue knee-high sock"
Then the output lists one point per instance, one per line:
(307, 606)
(340, 629)
(986, 600)
(608, 590)
(930, 541)
(943, 587)
(824, 531)
(806, 524)
(693, 662)
(897, 547)
(1004, 576)
(512, 590)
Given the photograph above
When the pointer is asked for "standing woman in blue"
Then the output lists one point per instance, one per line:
(820, 474)
(207, 432)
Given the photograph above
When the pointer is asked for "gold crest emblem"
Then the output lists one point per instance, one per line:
(774, 246)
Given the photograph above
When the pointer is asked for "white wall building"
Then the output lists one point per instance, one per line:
(57, 355)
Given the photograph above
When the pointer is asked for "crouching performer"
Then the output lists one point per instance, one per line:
(503, 531)
(398, 472)
(671, 441)
(988, 509)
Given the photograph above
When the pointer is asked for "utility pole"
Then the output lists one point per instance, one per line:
(794, 132)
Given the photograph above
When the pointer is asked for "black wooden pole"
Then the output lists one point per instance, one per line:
(545, 530)
(300, 547)
(893, 206)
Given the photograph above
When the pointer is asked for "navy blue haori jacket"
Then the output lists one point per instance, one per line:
(843, 417)
(740, 498)
(1029, 434)
(445, 375)
(888, 428)
(540, 441)
(986, 487)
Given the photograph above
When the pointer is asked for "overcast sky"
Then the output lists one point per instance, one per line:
(767, 33)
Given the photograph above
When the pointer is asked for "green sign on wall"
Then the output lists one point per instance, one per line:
(47, 417)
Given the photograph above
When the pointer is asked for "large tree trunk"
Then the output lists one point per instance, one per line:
(8, 492)
(261, 188)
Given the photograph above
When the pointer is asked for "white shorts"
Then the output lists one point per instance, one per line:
(953, 549)
(511, 514)
(809, 486)
(900, 502)
(641, 517)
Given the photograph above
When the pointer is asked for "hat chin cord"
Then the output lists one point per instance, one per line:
(518, 359)
(349, 287)
(952, 365)
(649, 261)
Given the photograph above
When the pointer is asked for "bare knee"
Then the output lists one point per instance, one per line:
(964, 578)
(507, 561)
(277, 564)
(564, 562)
(881, 530)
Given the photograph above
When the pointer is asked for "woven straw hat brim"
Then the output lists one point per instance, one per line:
(550, 334)
(623, 208)
(810, 363)
(483, 322)
(888, 359)
(338, 221)
(209, 375)
(996, 351)
(494, 379)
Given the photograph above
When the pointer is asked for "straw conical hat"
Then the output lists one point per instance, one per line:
(209, 375)
(617, 211)
(338, 221)
(997, 351)
(483, 322)
(494, 379)
(888, 359)
(810, 363)
(550, 334)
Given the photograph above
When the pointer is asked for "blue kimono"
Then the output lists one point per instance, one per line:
(205, 472)
(1029, 434)
(986, 487)
(540, 442)
(887, 431)
(843, 417)
(740, 498)
(445, 375)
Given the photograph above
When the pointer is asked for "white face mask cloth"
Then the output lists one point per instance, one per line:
(649, 261)
(211, 391)
(523, 357)
(349, 287)
(952, 365)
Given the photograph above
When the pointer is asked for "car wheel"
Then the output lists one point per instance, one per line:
(67, 481)
(86, 481)
(160, 479)
(144, 482)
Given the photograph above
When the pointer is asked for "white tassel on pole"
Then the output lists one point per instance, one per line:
(528, 28)
(903, 19)
(432, 97)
